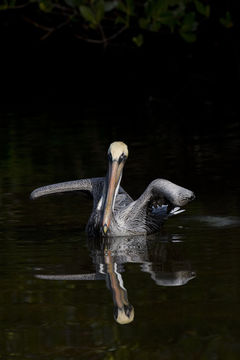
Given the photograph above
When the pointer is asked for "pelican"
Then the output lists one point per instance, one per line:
(114, 212)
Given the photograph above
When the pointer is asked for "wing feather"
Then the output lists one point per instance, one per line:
(76, 185)
(164, 189)
(160, 197)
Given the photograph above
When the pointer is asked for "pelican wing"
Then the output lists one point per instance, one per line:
(160, 190)
(162, 197)
(85, 185)
(94, 276)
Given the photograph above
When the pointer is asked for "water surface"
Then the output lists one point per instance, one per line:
(182, 283)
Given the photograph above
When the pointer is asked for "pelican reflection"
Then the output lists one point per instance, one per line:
(163, 260)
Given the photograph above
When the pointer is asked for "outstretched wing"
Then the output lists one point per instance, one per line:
(161, 199)
(161, 189)
(94, 276)
(85, 185)
(167, 198)
(93, 186)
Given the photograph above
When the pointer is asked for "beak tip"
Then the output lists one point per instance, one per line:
(105, 229)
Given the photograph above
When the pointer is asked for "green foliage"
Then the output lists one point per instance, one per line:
(202, 9)
(88, 14)
(5, 4)
(105, 20)
(138, 40)
(45, 5)
(127, 10)
(110, 5)
(227, 20)
(94, 13)
(188, 27)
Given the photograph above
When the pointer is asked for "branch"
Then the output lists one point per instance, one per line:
(117, 33)
(63, 8)
(10, 7)
(49, 31)
(44, 37)
(42, 27)
(102, 41)
(103, 35)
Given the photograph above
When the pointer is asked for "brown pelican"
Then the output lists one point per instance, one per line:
(115, 213)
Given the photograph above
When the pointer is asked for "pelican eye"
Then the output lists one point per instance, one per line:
(109, 156)
(115, 312)
(128, 310)
(122, 157)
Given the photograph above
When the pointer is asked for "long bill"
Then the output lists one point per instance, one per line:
(115, 174)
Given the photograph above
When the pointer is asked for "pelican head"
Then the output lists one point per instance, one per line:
(124, 315)
(117, 155)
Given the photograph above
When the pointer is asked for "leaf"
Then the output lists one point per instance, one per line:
(110, 5)
(130, 7)
(87, 14)
(189, 24)
(127, 7)
(122, 7)
(45, 6)
(70, 3)
(99, 11)
(143, 23)
(167, 18)
(201, 8)
(7, 4)
(121, 20)
(188, 36)
(155, 26)
(138, 40)
(227, 21)
(11, 3)
(208, 10)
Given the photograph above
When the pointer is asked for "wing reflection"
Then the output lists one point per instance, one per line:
(161, 258)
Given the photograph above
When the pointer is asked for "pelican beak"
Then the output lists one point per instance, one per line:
(114, 178)
(124, 315)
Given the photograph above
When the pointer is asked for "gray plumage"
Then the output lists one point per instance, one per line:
(118, 214)
(71, 277)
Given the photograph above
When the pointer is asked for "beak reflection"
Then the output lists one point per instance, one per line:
(123, 310)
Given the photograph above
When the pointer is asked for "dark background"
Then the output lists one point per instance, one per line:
(63, 69)
(167, 94)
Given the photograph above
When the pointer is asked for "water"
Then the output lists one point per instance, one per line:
(182, 283)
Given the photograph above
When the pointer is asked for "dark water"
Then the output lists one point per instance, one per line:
(183, 283)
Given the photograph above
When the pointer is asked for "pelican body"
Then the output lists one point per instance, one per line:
(114, 212)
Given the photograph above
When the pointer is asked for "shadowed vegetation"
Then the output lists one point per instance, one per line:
(101, 22)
